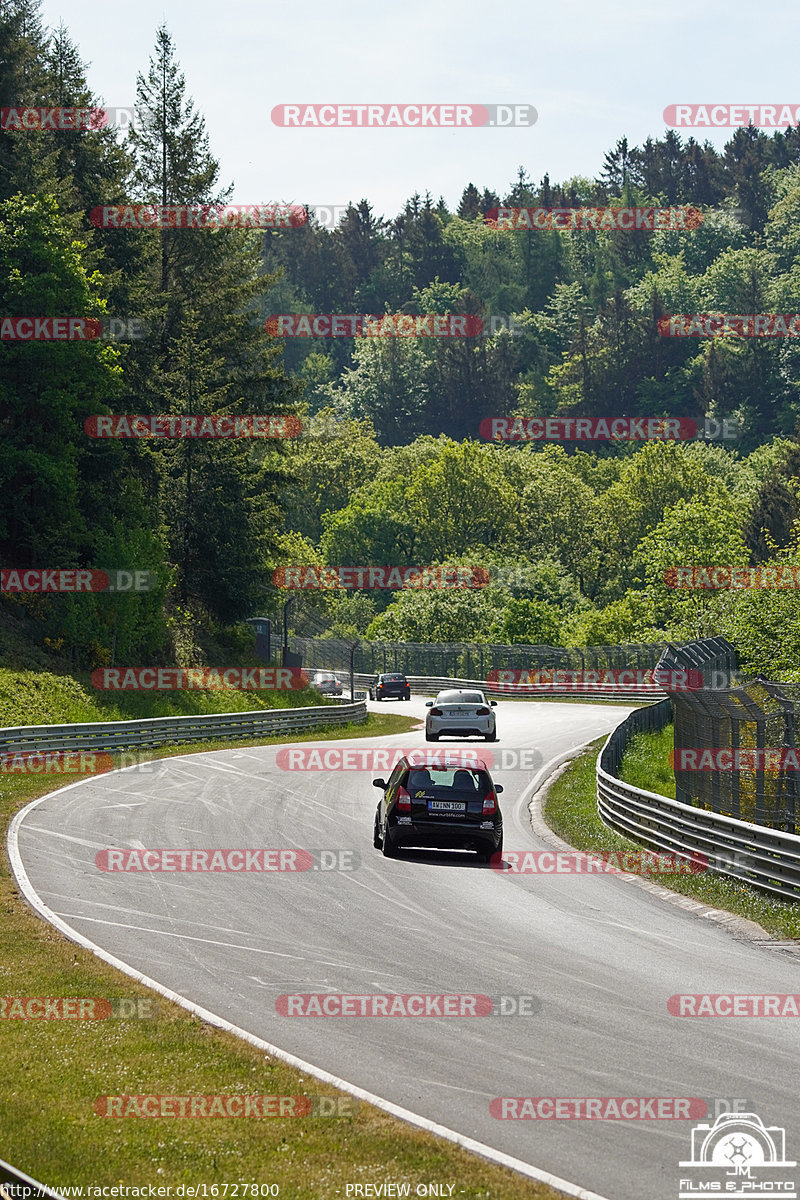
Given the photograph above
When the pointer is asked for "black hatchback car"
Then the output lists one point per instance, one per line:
(390, 687)
(436, 803)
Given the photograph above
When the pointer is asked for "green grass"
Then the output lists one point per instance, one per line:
(44, 698)
(646, 762)
(54, 1070)
(571, 811)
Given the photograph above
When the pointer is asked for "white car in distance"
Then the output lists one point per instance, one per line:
(460, 713)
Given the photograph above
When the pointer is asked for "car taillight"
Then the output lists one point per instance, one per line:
(489, 804)
(403, 800)
(482, 712)
(436, 712)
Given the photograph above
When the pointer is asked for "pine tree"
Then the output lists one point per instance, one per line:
(617, 165)
(470, 204)
(212, 356)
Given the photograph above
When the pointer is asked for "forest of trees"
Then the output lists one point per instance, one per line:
(391, 467)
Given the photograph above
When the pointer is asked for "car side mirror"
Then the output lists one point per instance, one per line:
(493, 703)
(498, 787)
(429, 704)
(381, 783)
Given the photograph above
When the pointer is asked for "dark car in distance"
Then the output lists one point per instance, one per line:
(437, 804)
(326, 683)
(390, 687)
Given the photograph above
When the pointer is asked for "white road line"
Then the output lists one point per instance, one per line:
(185, 937)
(64, 837)
(395, 1110)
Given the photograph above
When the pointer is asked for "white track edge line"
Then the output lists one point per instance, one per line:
(404, 1114)
(43, 1188)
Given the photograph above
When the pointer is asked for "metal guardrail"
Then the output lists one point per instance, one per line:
(160, 731)
(766, 858)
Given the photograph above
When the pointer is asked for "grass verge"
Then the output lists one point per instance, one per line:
(53, 1071)
(47, 698)
(571, 811)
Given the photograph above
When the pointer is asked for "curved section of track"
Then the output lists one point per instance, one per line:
(600, 957)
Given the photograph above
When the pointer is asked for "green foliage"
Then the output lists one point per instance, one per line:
(388, 470)
(47, 390)
(631, 618)
(530, 622)
(327, 467)
(436, 616)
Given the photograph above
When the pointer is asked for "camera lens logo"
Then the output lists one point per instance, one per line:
(737, 1155)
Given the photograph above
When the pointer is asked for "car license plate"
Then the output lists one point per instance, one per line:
(453, 806)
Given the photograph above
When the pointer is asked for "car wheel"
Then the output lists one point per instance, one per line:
(431, 737)
(492, 737)
(389, 845)
(488, 854)
(377, 840)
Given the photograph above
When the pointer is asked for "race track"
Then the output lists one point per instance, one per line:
(600, 956)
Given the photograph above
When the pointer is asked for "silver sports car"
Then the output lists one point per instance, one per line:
(460, 714)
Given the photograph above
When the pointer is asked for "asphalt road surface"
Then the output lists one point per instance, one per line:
(601, 957)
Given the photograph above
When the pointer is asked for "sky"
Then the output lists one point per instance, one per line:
(594, 70)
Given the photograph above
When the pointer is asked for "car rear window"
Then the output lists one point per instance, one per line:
(394, 678)
(460, 698)
(448, 780)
